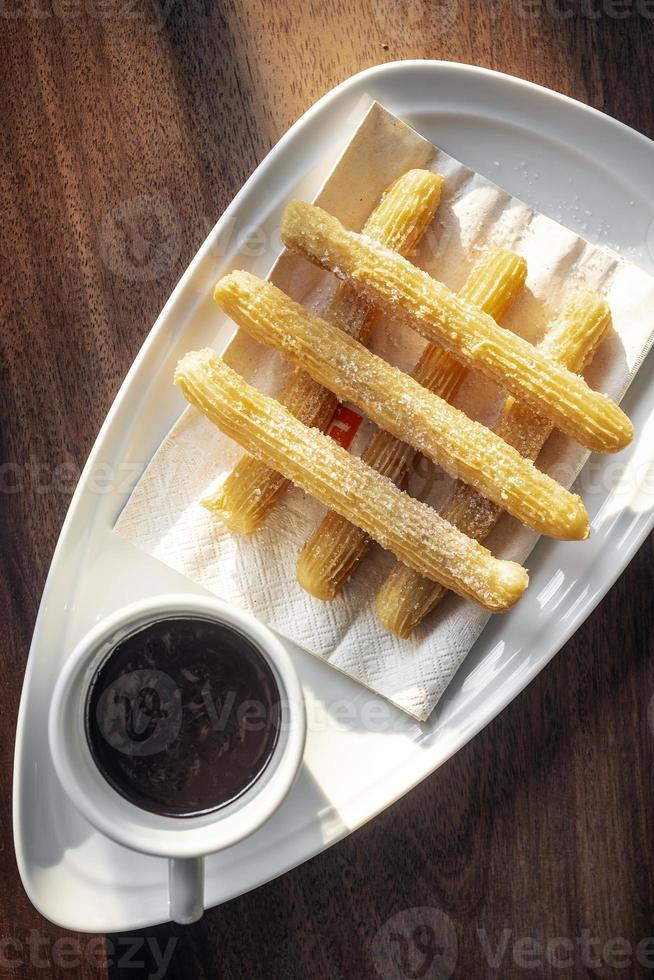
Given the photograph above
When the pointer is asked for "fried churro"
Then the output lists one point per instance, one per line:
(402, 407)
(336, 547)
(399, 221)
(416, 299)
(406, 597)
(410, 529)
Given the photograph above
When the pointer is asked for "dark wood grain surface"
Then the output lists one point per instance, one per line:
(142, 119)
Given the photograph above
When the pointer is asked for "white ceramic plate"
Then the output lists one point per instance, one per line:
(596, 177)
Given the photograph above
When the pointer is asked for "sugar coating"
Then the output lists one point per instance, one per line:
(317, 464)
(336, 547)
(416, 299)
(400, 219)
(406, 597)
(402, 406)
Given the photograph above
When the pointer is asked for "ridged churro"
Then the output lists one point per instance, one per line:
(415, 298)
(399, 221)
(405, 598)
(336, 547)
(316, 463)
(401, 406)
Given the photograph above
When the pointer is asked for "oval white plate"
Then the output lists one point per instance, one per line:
(596, 177)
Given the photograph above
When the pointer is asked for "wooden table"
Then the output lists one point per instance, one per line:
(539, 830)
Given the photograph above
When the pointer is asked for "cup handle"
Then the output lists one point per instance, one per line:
(185, 889)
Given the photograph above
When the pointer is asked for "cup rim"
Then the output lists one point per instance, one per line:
(114, 815)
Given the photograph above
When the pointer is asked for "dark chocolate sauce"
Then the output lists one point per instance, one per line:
(183, 716)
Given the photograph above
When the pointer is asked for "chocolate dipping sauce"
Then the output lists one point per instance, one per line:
(183, 716)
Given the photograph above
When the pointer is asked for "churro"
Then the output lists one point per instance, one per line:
(399, 221)
(336, 547)
(416, 299)
(316, 463)
(405, 598)
(398, 404)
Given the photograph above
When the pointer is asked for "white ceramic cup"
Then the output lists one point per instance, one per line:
(184, 841)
